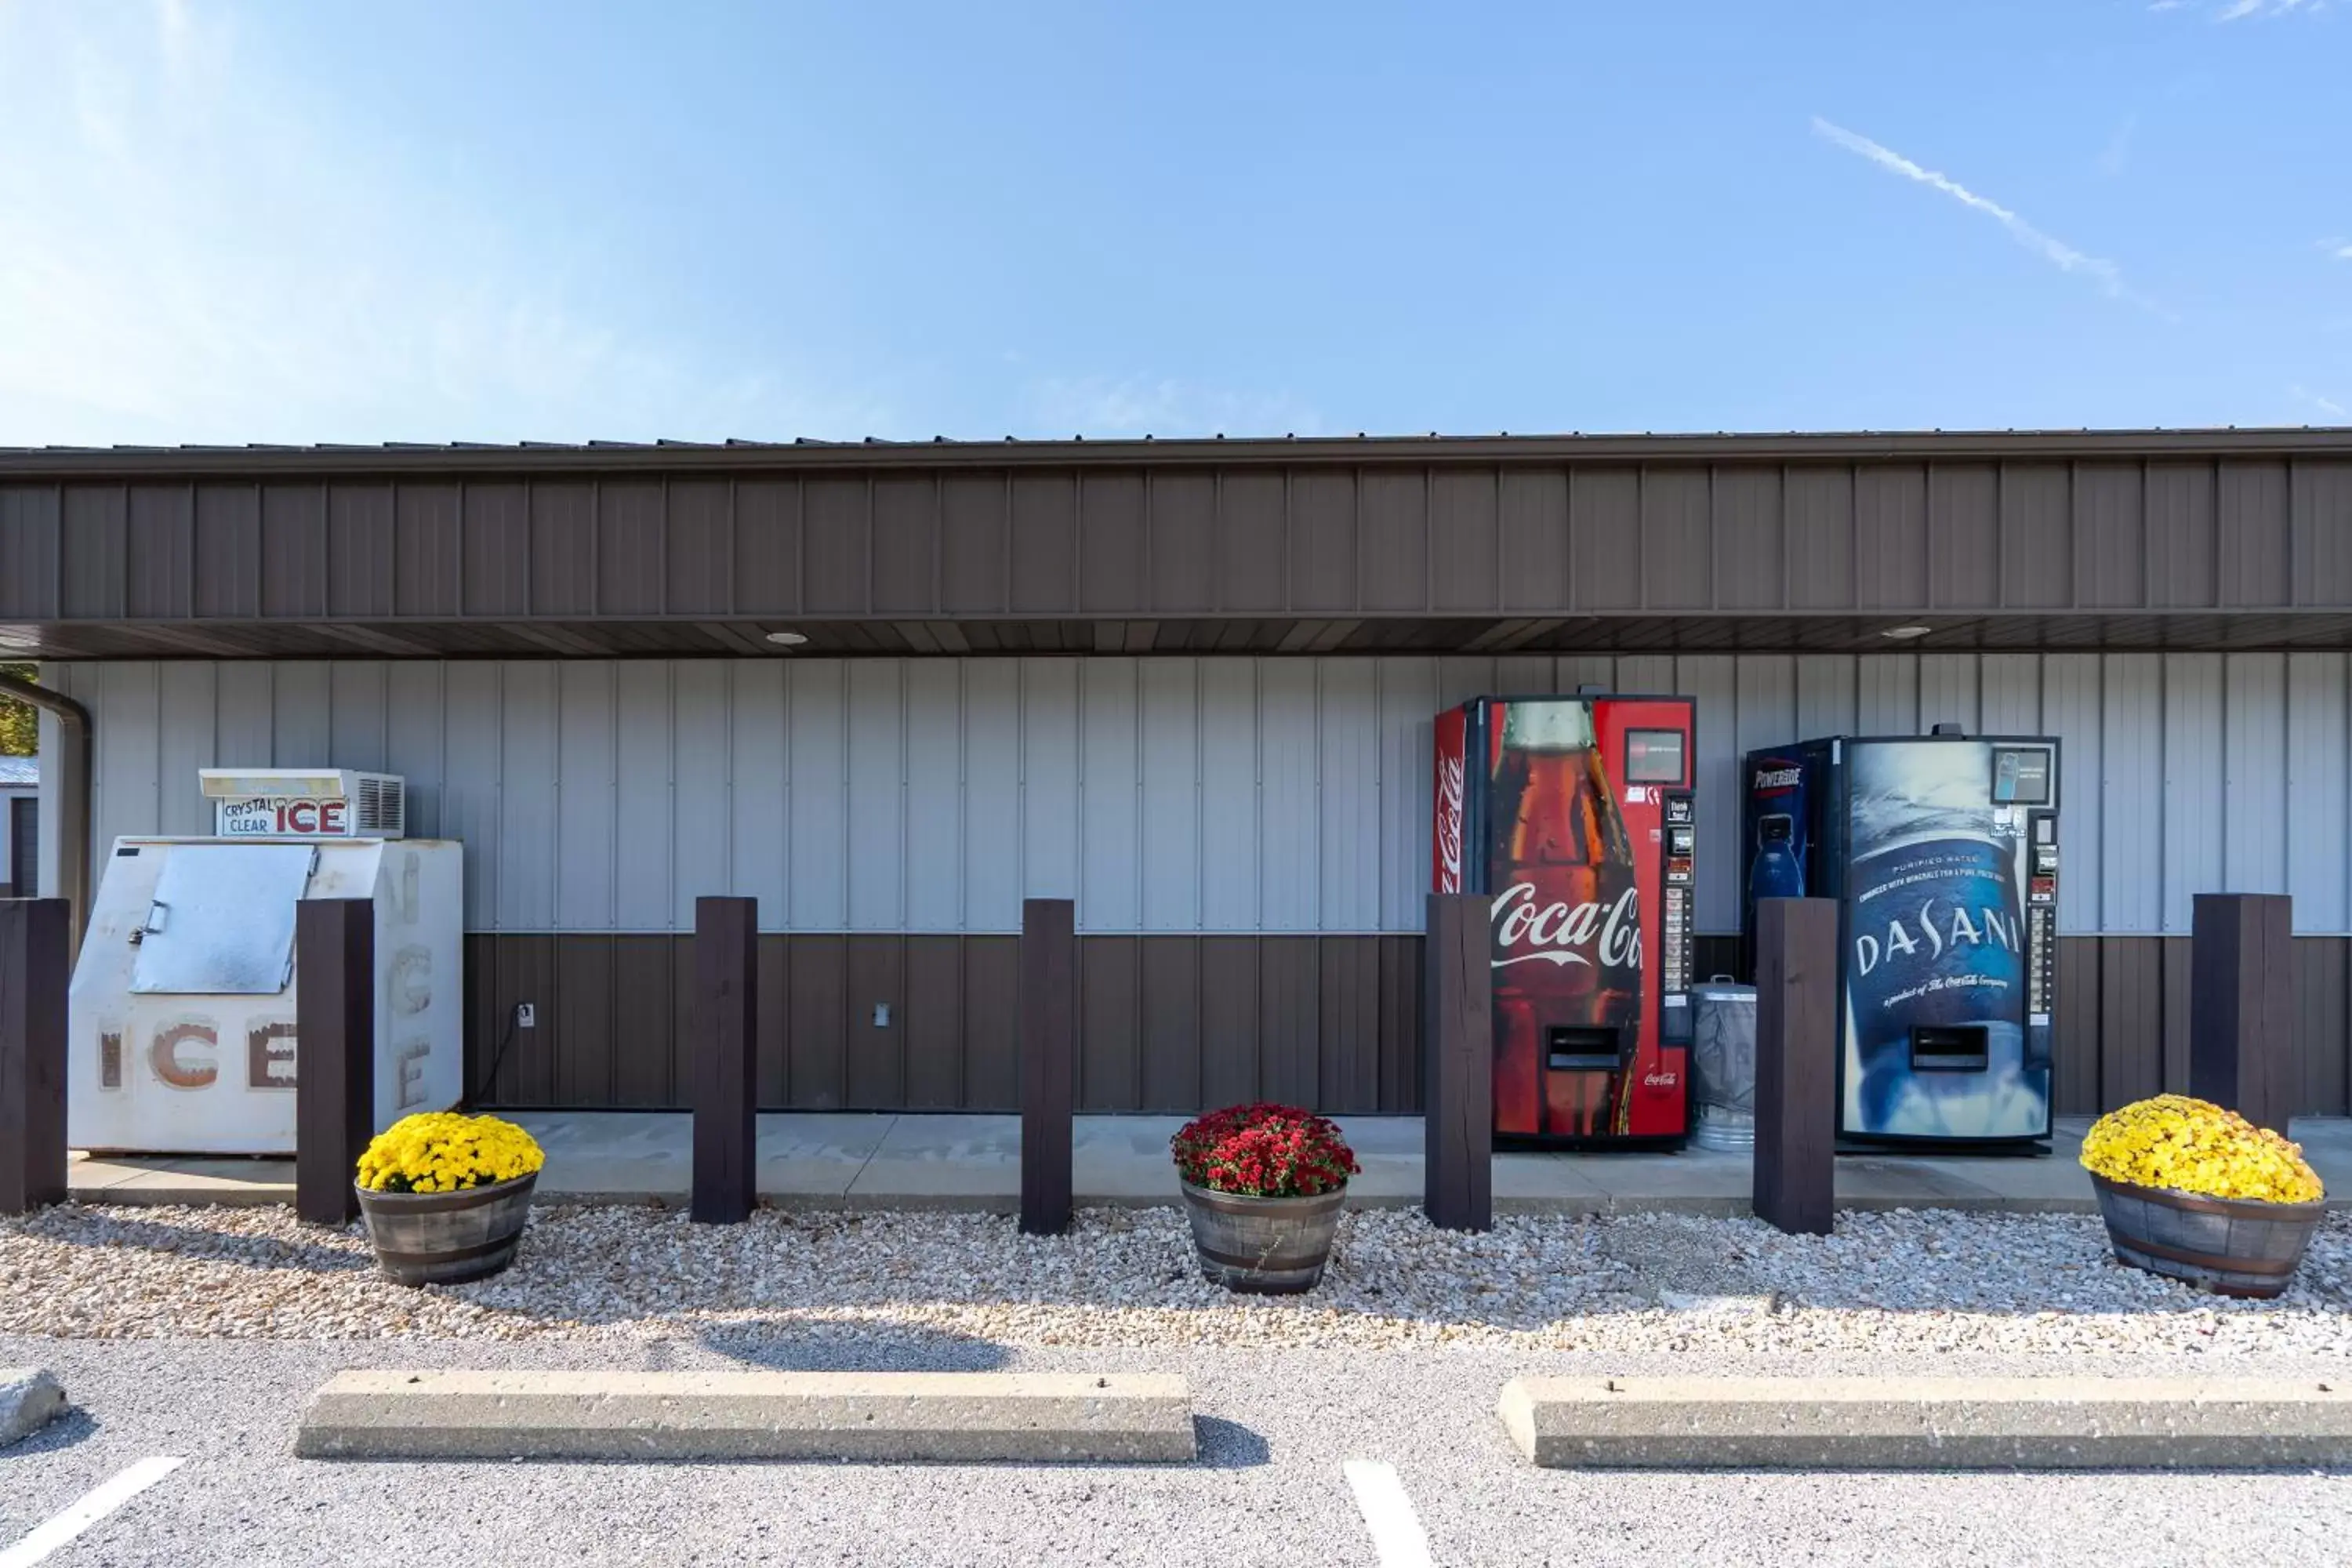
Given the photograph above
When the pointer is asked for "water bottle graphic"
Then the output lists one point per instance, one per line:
(1775, 872)
(1935, 935)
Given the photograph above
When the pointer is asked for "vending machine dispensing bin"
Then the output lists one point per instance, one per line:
(1942, 853)
(181, 1020)
(1575, 815)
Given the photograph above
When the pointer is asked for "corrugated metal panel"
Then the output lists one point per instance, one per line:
(1175, 794)
(2037, 535)
(1964, 533)
(2256, 557)
(2321, 501)
(2131, 821)
(28, 553)
(2319, 791)
(2254, 773)
(2111, 529)
(1605, 515)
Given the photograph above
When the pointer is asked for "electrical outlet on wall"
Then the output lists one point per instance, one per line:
(526, 1016)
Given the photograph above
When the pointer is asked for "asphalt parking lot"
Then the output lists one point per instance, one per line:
(1305, 1456)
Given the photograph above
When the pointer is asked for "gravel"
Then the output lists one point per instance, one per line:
(1932, 1281)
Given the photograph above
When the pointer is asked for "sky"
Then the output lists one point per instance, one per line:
(499, 221)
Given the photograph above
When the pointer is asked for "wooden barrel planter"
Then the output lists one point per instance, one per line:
(1266, 1246)
(2231, 1247)
(447, 1238)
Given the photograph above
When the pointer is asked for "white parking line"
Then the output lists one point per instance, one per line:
(1398, 1541)
(93, 1506)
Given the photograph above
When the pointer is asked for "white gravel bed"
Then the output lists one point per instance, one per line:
(1928, 1281)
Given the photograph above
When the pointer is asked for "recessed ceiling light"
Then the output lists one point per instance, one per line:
(1904, 633)
(788, 639)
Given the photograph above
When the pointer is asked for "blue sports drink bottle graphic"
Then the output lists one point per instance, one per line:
(1775, 872)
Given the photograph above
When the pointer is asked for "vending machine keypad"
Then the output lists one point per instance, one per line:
(2041, 922)
(1678, 884)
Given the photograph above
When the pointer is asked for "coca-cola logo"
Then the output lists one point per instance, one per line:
(1450, 771)
(1657, 1080)
(1560, 933)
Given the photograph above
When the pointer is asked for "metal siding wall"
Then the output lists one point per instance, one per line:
(2316, 799)
(1178, 795)
(2254, 773)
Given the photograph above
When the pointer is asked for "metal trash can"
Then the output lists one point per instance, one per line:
(1723, 1066)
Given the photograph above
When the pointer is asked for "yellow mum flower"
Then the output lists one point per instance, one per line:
(2195, 1146)
(442, 1152)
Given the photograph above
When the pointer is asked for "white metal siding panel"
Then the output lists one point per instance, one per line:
(1713, 680)
(2254, 773)
(877, 795)
(1110, 856)
(1348, 771)
(302, 730)
(1572, 671)
(2070, 710)
(1825, 696)
(2192, 783)
(415, 729)
(701, 853)
(1887, 700)
(1948, 691)
(586, 809)
(2316, 798)
(761, 792)
(2010, 694)
(1169, 696)
(816, 773)
(129, 765)
(2130, 785)
(356, 715)
(189, 696)
(1289, 832)
(1049, 778)
(934, 799)
(469, 788)
(527, 797)
(241, 726)
(1766, 712)
(1461, 676)
(645, 809)
(1408, 708)
(992, 802)
(1229, 813)
(1525, 674)
(1646, 675)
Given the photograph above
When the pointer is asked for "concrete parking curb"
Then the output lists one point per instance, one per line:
(30, 1398)
(966, 1417)
(1942, 1424)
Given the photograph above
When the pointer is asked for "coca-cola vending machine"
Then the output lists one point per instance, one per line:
(1942, 853)
(1575, 815)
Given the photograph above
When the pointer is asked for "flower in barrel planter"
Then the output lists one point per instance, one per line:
(2202, 1195)
(446, 1195)
(1263, 1184)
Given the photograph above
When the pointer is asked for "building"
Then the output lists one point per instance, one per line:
(20, 827)
(1188, 684)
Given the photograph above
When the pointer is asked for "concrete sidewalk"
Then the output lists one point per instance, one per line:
(826, 1161)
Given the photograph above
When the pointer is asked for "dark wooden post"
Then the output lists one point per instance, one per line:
(2242, 1006)
(334, 1061)
(1796, 1064)
(34, 936)
(1049, 1077)
(1457, 1043)
(726, 1059)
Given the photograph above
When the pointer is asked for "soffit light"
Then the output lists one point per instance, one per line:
(1904, 633)
(788, 639)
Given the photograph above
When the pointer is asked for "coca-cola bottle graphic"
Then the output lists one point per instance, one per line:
(1567, 949)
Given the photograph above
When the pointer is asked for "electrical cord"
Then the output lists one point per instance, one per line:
(498, 1059)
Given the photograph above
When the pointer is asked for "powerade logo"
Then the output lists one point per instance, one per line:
(1778, 778)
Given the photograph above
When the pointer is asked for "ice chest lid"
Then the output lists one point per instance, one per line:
(1719, 993)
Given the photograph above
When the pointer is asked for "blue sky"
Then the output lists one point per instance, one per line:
(435, 221)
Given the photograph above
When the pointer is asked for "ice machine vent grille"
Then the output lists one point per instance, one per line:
(382, 807)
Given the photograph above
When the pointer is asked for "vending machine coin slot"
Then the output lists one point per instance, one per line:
(1950, 1049)
(1573, 1049)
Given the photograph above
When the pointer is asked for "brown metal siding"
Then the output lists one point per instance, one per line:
(1177, 1023)
(1044, 548)
(361, 560)
(632, 547)
(1890, 537)
(1750, 551)
(1461, 540)
(1114, 543)
(1676, 544)
(2256, 560)
(1964, 535)
(96, 551)
(1183, 572)
(2111, 528)
(161, 540)
(2037, 536)
(294, 550)
(699, 567)
(1536, 552)
(2322, 502)
(428, 531)
(29, 516)
(1818, 504)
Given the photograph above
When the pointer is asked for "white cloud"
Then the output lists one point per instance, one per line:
(190, 252)
(2326, 406)
(2051, 248)
(2115, 157)
(2341, 249)
(1145, 406)
(2238, 10)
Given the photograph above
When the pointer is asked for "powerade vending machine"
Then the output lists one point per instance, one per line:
(1942, 853)
(1575, 815)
